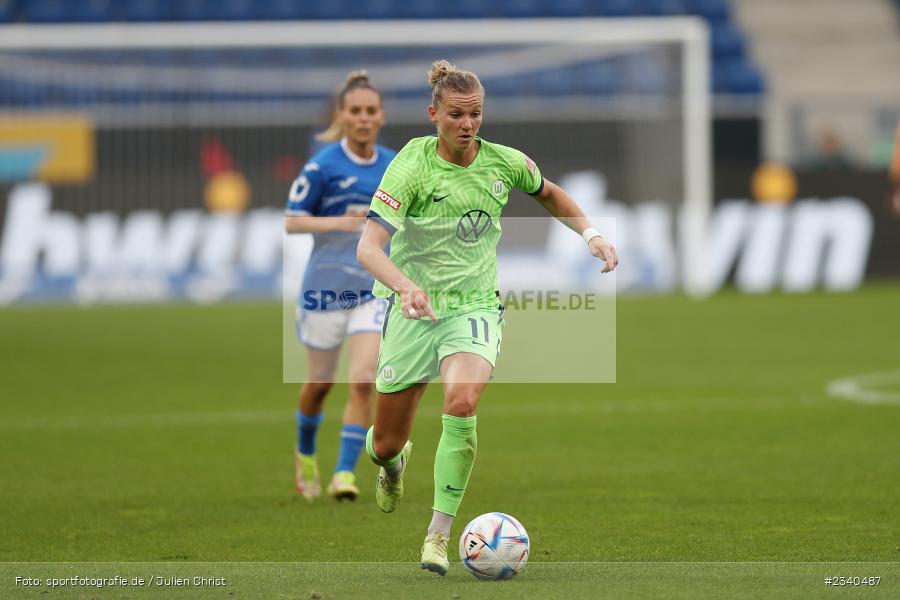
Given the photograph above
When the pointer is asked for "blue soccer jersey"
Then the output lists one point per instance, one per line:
(334, 181)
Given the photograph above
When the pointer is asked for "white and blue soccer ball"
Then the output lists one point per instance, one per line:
(494, 546)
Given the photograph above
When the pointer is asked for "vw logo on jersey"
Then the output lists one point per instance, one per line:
(473, 225)
(498, 189)
(387, 373)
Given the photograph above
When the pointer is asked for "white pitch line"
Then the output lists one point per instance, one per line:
(858, 388)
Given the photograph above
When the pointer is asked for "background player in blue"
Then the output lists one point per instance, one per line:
(330, 199)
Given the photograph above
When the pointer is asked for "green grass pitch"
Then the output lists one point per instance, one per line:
(156, 441)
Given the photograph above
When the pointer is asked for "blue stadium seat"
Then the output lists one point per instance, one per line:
(570, 8)
(379, 9)
(737, 77)
(598, 79)
(727, 42)
(7, 10)
(618, 8)
(349, 57)
(125, 96)
(78, 95)
(281, 10)
(746, 79)
(385, 9)
(554, 82)
(94, 56)
(336, 9)
(235, 10)
(711, 10)
(430, 9)
(205, 57)
(661, 7)
(6, 96)
(420, 93)
(191, 10)
(147, 10)
(372, 55)
(721, 79)
(160, 57)
(502, 87)
(390, 54)
(451, 53)
(91, 11)
(254, 57)
(45, 11)
(527, 9)
(295, 56)
(25, 93)
(470, 9)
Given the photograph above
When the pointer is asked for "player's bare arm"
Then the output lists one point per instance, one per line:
(895, 161)
(370, 253)
(350, 222)
(894, 172)
(558, 203)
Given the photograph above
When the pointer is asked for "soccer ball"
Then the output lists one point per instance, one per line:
(494, 546)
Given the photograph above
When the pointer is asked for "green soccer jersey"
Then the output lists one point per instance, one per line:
(445, 219)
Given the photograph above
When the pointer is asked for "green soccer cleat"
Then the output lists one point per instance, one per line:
(389, 490)
(434, 553)
(343, 486)
(306, 476)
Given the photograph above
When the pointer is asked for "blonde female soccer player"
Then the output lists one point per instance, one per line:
(329, 199)
(439, 205)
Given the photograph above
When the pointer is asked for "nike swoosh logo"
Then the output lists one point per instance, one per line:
(436, 199)
(453, 489)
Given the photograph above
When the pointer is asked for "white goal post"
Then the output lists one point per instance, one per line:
(689, 33)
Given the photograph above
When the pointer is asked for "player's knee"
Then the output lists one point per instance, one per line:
(361, 392)
(461, 401)
(319, 389)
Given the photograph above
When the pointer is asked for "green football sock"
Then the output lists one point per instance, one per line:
(453, 462)
(388, 464)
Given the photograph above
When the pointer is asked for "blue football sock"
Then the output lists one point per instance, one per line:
(353, 439)
(306, 432)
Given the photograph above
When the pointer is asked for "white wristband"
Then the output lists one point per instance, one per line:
(589, 233)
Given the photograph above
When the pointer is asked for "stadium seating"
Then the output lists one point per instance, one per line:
(7, 10)
(145, 10)
(733, 73)
(736, 77)
(727, 43)
(63, 11)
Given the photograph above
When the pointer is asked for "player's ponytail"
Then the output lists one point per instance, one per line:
(335, 130)
(355, 80)
(446, 77)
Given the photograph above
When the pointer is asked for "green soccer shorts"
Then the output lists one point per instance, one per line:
(412, 350)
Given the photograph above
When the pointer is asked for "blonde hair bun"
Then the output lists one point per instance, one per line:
(439, 70)
(356, 77)
(444, 76)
